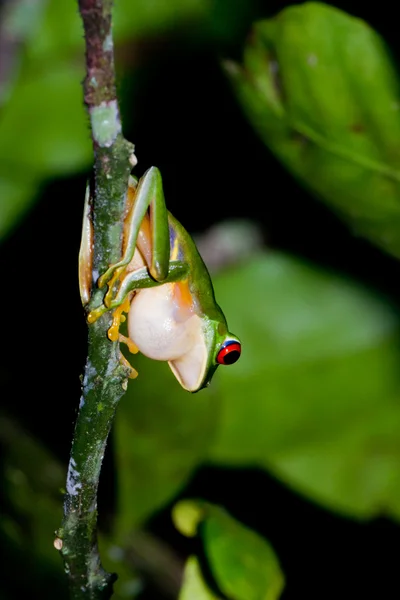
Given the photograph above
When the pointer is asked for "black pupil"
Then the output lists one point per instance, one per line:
(231, 357)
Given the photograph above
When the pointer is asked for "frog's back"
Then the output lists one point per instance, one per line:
(200, 285)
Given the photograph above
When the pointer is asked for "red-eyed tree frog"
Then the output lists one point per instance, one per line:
(163, 284)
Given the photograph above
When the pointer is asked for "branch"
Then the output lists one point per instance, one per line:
(105, 379)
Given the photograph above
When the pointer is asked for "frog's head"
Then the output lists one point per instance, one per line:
(212, 345)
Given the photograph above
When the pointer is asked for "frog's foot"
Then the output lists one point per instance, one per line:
(133, 374)
(96, 313)
(131, 346)
(108, 298)
(111, 275)
(118, 318)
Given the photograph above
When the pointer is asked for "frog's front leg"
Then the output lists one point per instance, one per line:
(136, 280)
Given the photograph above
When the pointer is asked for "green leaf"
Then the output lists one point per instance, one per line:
(243, 563)
(321, 91)
(61, 33)
(194, 587)
(315, 396)
(313, 399)
(187, 515)
(134, 20)
(43, 132)
(43, 128)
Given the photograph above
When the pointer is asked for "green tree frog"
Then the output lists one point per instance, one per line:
(163, 284)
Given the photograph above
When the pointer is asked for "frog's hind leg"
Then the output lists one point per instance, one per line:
(118, 318)
(133, 349)
(149, 193)
(133, 373)
(128, 342)
(140, 279)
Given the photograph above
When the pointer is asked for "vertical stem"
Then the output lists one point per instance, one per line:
(105, 379)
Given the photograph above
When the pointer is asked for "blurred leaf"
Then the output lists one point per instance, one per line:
(243, 563)
(315, 397)
(162, 432)
(187, 515)
(194, 586)
(61, 34)
(144, 18)
(321, 91)
(43, 128)
(22, 19)
(144, 561)
(31, 512)
(19, 22)
(43, 132)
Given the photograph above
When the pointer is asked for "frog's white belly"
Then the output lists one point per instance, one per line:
(161, 331)
(154, 324)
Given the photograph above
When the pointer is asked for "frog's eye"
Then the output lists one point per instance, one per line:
(229, 352)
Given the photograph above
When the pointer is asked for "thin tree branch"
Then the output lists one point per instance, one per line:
(105, 379)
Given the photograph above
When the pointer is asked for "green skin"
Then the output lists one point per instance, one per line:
(188, 266)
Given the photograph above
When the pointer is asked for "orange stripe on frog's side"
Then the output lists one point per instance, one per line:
(183, 299)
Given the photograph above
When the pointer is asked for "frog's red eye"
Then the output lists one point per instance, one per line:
(229, 353)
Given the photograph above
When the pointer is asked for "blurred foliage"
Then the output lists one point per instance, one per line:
(314, 400)
(194, 586)
(243, 564)
(32, 508)
(321, 91)
(321, 382)
(320, 375)
(43, 125)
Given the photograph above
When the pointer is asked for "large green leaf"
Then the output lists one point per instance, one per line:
(43, 128)
(243, 563)
(315, 397)
(321, 91)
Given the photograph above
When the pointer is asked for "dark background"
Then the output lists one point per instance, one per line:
(183, 118)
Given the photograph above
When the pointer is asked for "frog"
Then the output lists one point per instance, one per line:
(162, 288)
